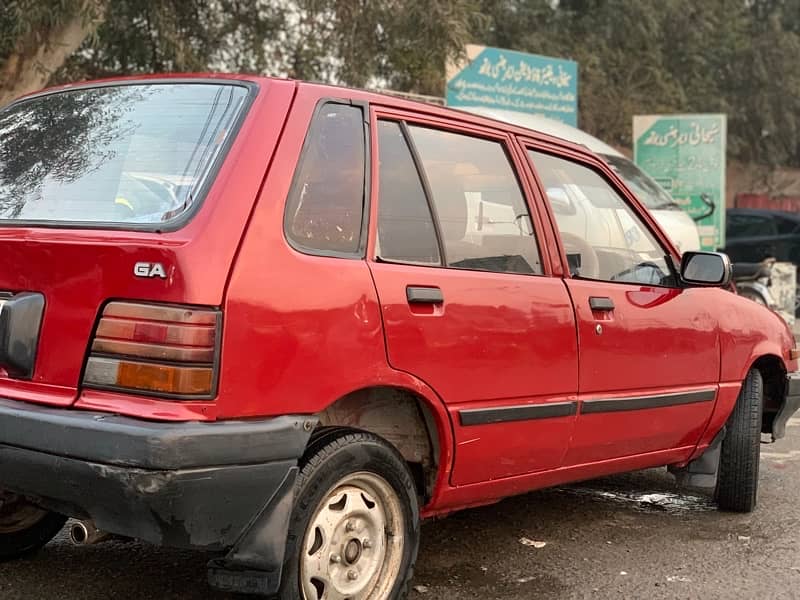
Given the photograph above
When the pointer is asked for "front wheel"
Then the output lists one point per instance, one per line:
(737, 477)
(24, 527)
(354, 531)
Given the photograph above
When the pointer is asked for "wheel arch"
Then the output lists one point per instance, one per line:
(773, 374)
(411, 418)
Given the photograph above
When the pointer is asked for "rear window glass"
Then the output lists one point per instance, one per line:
(128, 154)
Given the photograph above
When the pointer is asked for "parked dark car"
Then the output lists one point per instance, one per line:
(753, 234)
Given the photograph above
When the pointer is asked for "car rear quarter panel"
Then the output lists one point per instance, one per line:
(80, 270)
(301, 331)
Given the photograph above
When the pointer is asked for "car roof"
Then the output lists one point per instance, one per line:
(548, 126)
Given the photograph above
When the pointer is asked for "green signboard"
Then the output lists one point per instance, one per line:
(516, 81)
(686, 155)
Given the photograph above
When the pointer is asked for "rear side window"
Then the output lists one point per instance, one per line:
(325, 208)
(483, 218)
(128, 154)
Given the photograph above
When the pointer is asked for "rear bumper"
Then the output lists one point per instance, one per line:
(187, 485)
(791, 404)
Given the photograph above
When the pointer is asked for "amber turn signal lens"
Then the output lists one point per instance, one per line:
(164, 379)
(158, 350)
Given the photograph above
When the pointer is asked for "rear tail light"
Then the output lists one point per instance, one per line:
(158, 350)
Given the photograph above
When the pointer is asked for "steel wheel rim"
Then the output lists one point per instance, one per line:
(353, 545)
(17, 514)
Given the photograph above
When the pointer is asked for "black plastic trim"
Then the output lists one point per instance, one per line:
(601, 303)
(702, 471)
(254, 564)
(115, 440)
(645, 402)
(207, 508)
(793, 384)
(424, 295)
(426, 188)
(212, 170)
(790, 405)
(20, 324)
(507, 414)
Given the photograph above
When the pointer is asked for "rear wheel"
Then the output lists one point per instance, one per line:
(737, 477)
(24, 527)
(354, 531)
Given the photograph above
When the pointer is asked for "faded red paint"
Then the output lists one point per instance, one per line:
(302, 331)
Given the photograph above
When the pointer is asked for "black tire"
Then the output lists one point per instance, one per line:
(27, 540)
(334, 454)
(737, 477)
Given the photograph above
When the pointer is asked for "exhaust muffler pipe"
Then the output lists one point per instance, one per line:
(84, 533)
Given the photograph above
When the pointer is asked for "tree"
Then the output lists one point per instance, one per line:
(766, 92)
(37, 37)
(737, 57)
(731, 56)
(154, 36)
(400, 43)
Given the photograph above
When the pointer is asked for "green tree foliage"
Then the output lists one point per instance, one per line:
(404, 43)
(36, 37)
(739, 57)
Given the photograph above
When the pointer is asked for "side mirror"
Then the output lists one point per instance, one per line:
(706, 269)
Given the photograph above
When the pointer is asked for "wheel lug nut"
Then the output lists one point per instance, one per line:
(352, 575)
(335, 558)
(350, 526)
(366, 544)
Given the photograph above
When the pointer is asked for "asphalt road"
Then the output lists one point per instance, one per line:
(630, 536)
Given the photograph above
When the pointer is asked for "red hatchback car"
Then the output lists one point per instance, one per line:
(285, 321)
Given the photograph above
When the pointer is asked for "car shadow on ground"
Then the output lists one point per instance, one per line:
(499, 551)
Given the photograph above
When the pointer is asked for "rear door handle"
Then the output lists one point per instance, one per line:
(601, 303)
(424, 295)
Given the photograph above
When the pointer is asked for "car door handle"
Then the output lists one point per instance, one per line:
(601, 303)
(424, 295)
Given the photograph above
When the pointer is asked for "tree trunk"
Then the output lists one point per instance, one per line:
(38, 54)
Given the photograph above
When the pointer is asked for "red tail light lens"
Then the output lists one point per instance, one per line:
(160, 350)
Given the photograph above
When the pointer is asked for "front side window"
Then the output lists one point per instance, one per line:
(603, 237)
(325, 208)
(482, 215)
(128, 154)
